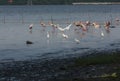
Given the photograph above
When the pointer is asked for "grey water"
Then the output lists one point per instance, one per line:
(14, 31)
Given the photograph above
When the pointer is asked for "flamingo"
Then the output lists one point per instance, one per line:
(84, 28)
(87, 23)
(77, 24)
(53, 25)
(48, 35)
(77, 41)
(107, 25)
(61, 29)
(102, 34)
(64, 35)
(42, 24)
(66, 28)
(30, 27)
(117, 21)
(96, 25)
(81, 24)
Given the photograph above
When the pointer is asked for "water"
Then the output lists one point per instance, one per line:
(14, 31)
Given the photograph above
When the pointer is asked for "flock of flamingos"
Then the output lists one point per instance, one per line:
(78, 26)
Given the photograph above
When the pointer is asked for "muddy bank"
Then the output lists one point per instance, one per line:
(60, 70)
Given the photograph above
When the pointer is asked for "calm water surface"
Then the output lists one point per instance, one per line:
(14, 30)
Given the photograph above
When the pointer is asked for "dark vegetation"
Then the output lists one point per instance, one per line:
(46, 2)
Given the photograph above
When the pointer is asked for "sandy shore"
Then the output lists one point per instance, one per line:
(58, 70)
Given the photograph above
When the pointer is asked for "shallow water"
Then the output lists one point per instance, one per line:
(14, 31)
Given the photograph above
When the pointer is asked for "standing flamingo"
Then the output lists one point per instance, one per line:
(77, 41)
(30, 27)
(48, 35)
(96, 25)
(65, 36)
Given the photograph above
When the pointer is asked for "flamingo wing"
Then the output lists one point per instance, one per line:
(68, 27)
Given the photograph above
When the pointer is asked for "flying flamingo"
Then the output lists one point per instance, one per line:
(66, 28)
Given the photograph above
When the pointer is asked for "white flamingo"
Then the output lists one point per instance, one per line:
(66, 28)
(48, 35)
(64, 35)
(77, 41)
(102, 34)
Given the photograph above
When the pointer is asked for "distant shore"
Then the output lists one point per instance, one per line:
(96, 3)
(58, 3)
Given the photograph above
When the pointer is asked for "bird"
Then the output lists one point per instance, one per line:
(53, 25)
(30, 27)
(83, 26)
(77, 41)
(61, 29)
(48, 35)
(87, 23)
(64, 35)
(66, 28)
(96, 25)
(42, 24)
(29, 42)
(117, 19)
(107, 25)
(102, 34)
(77, 23)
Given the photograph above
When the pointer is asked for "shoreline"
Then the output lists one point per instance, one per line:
(96, 3)
(74, 3)
(66, 69)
